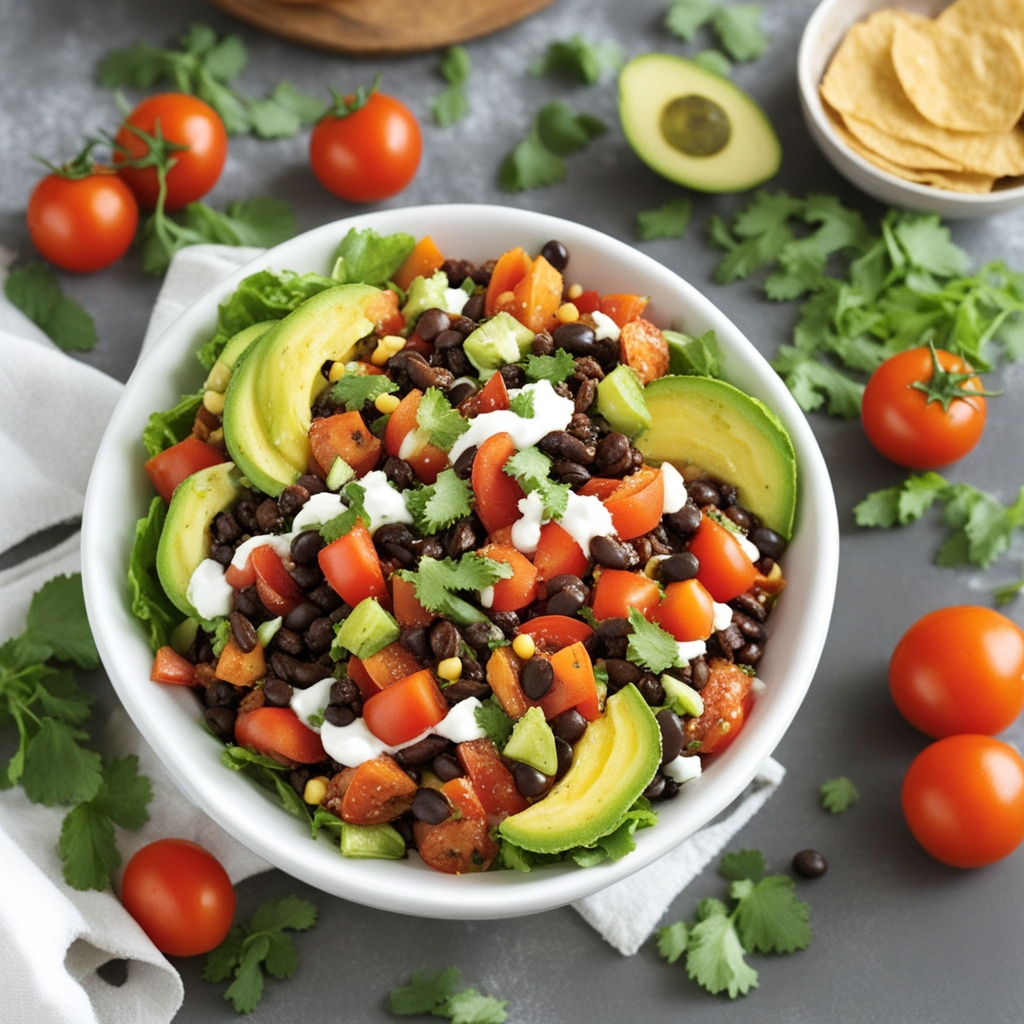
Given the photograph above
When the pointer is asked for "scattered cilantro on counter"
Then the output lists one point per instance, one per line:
(557, 132)
(436, 418)
(452, 105)
(437, 506)
(580, 59)
(838, 794)
(737, 28)
(354, 390)
(34, 290)
(264, 946)
(206, 66)
(668, 221)
(649, 645)
(714, 61)
(685, 17)
(38, 693)
(436, 994)
(438, 582)
(767, 917)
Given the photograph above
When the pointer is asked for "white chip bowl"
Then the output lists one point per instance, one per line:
(821, 39)
(169, 717)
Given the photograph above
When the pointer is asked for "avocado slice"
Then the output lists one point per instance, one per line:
(695, 127)
(185, 540)
(274, 383)
(612, 765)
(220, 373)
(707, 423)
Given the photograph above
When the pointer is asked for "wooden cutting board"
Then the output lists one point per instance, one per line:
(374, 27)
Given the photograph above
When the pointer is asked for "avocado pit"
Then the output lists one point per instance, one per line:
(695, 125)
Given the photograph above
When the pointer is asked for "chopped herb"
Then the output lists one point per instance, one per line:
(438, 582)
(579, 58)
(436, 418)
(668, 221)
(34, 290)
(650, 646)
(354, 390)
(436, 994)
(452, 105)
(532, 469)
(838, 794)
(344, 523)
(700, 356)
(739, 31)
(522, 404)
(492, 718)
(556, 133)
(554, 368)
(714, 61)
(437, 506)
(685, 17)
(673, 940)
(742, 864)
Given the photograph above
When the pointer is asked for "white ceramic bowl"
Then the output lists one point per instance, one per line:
(169, 716)
(821, 39)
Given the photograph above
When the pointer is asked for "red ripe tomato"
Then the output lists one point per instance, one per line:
(82, 223)
(179, 462)
(180, 895)
(687, 611)
(367, 153)
(406, 708)
(906, 424)
(278, 733)
(959, 669)
(187, 121)
(725, 570)
(279, 593)
(963, 798)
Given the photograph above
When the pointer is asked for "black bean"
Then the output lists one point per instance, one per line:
(446, 768)
(291, 499)
(248, 602)
(556, 254)
(749, 605)
(320, 635)
(513, 376)
(399, 473)
(670, 791)
(730, 638)
(416, 640)
(651, 689)
(464, 463)
(569, 726)
(699, 674)
(656, 787)
(301, 674)
(460, 391)
(671, 735)
(458, 362)
(464, 689)
(298, 777)
(537, 677)
(810, 864)
(457, 271)
(430, 806)
(608, 629)
(684, 522)
(291, 643)
(325, 598)
(268, 517)
(306, 547)
(225, 528)
(447, 339)
(344, 691)
(612, 453)
(530, 782)
(222, 553)
(563, 753)
(565, 602)
(507, 622)
(479, 634)
(621, 673)
(703, 492)
(339, 715)
(341, 612)
(245, 510)
(221, 721)
(474, 307)
(542, 344)
(460, 538)
(749, 654)
(768, 542)
(308, 577)
(219, 694)
(675, 568)
(431, 323)
(560, 444)
(429, 547)
(576, 338)
(585, 395)
(301, 617)
(394, 533)
(749, 627)
(611, 553)
(727, 495)
(444, 640)
(424, 376)
(741, 517)
(566, 581)
(571, 473)
(277, 692)
(422, 751)
(473, 671)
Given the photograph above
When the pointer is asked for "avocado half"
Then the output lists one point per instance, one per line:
(654, 85)
(732, 436)
(185, 539)
(612, 765)
(277, 378)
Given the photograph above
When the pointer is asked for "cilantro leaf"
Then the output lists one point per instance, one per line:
(565, 132)
(714, 61)
(759, 233)
(56, 617)
(452, 105)
(838, 794)
(649, 645)
(58, 770)
(684, 17)
(901, 504)
(437, 506)
(554, 368)
(34, 290)
(522, 404)
(438, 420)
(556, 132)
(532, 469)
(769, 917)
(579, 58)
(424, 992)
(366, 257)
(455, 65)
(739, 31)
(494, 720)
(438, 582)
(667, 221)
(354, 390)
(246, 991)
(62, 698)
(470, 1007)
(742, 864)
(714, 957)
(815, 383)
(346, 521)
(672, 941)
(88, 848)
(124, 795)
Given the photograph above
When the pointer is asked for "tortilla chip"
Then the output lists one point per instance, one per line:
(861, 82)
(968, 79)
(897, 150)
(966, 14)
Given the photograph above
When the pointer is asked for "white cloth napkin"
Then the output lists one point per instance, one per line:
(53, 938)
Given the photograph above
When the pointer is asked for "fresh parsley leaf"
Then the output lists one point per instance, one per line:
(668, 221)
(424, 992)
(565, 132)
(554, 368)
(714, 61)
(493, 719)
(34, 290)
(438, 583)
(438, 420)
(56, 617)
(685, 17)
(838, 794)
(700, 356)
(579, 59)
(354, 390)
(164, 429)
(769, 917)
(452, 105)
(672, 941)
(714, 957)
(150, 605)
(556, 132)
(366, 257)
(651, 646)
(742, 864)
(437, 506)
(58, 770)
(738, 28)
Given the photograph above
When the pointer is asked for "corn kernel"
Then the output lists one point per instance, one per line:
(315, 789)
(386, 348)
(219, 377)
(450, 669)
(216, 437)
(524, 646)
(337, 371)
(567, 313)
(387, 403)
(213, 402)
(651, 568)
(575, 291)
(775, 572)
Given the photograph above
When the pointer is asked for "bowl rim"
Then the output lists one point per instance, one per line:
(238, 805)
(809, 49)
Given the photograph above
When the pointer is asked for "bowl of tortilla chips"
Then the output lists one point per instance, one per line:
(919, 103)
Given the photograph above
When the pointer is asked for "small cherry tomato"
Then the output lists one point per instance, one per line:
(82, 222)
(920, 408)
(186, 121)
(180, 895)
(725, 570)
(963, 798)
(367, 148)
(959, 669)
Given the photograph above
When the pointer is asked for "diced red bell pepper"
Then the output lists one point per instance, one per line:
(492, 781)
(403, 710)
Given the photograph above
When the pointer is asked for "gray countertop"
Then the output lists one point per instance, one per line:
(897, 936)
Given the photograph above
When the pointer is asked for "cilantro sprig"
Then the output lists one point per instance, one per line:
(651, 646)
(737, 27)
(557, 132)
(580, 59)
(452, 105)
(442, 424)
(531, 468)
(838, 794)
(438, 994)
(555, 368)
(34, 290)
(439, 581)
(354, 390)
(667, 221)
(263, 946)
(39, 696)
(437, 506)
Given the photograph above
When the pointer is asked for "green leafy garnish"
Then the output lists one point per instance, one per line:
(438, 420)
(650, 646)
(268, 773)
(556, 133)
(452, 105)
(354, 390)
(714, 61)
(522, 404)
(555, 368)
(668, 221)
(164, 429)
(34, 290)
(531, 468)
(493, 719)
(685, 17)
(700, 356)
(366, 257)
(345, 522)
(579, 59)
(742, 864)
(738, 28)
(150, 605)
(262, 946)
(672, 941)
(439, 581)
(436, 994)
(838, 794)
(437, 506)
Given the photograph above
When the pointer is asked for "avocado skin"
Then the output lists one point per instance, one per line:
(612, 765)
(277, 378)
(729, 434)
(185, 539)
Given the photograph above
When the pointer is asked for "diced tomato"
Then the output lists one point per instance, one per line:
(618, 590)
(278, 733)
(424, 259)
(170, 667)
(403, 710)
(279, 593)
(362, 678)
(558, 553)
(553, 632)
(602, 487)
(492, 397)
(463, 798)
(687, 611)
(390, 664)
(346, 436)
(587, 302)
(511, 268)
(497, 494)
(727, 702)
(427, 460)
(623, 308)
(384, 312)
(378, 792)
(492, 781)
(725, 570)
(574, 686)
(406, 606)
(643, 347)
(520, 588)
(457, 846)
(537, 296)
(503, 675)
(241, 578)
(636, 504)
(179, 462)
(239, 667)
(352, 567)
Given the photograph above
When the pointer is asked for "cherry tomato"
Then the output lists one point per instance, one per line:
(636, 504)
(959, 669)
(279, 593)
(497, 494)
(368, 154)
(907, 427)
(426, 459)
(82, 223)
(963, 798)
(180, 895)
(618, 590)
(170, 667)
(185, 120)
(167, 469)
(725, 570)
(518, 590)
(687, 611)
